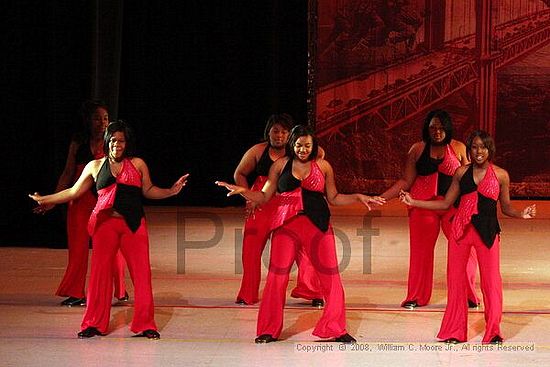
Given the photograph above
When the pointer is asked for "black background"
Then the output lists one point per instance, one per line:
(197, 81)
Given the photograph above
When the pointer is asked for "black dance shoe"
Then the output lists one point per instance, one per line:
(346, 338)
(410, 305)
(472, 304)
(265, 338)
(451, 341)
(149, 334)
(241, 302)
(317, 302)
(73, 301)
(89, 332)
(124, 298)
(496, 340)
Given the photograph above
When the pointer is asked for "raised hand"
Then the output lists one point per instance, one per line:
(233, 189)
(179, 184)
(529, 212)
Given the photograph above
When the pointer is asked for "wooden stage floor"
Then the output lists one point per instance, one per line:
(195, 257)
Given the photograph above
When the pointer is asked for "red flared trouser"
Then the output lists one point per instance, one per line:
(455, 319)
(286, 242)
(255, 236)
(112, 234)
(74, 280)
(424, 226)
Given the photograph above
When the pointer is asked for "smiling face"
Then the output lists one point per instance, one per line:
(303, 147)
(278, 136)
(479, 153)
(117, 146)
(480, 147)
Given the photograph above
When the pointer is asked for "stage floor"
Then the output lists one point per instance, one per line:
(195, 257)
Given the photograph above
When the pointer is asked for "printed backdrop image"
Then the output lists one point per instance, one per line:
(378, 67)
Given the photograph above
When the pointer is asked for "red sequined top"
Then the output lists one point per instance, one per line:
(478, 205)
(122, 193)
(434, 176)
(297, 197)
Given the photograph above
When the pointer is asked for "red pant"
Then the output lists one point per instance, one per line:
(111, 235)
(424, 226)
(255, 236)
(74, 280)
(301, 233)
(455, 320)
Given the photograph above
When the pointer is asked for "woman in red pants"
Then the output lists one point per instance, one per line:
(301, 222)
(478, 187)
(84, 148)
(430, 166)
(256, 162)
(117, 223)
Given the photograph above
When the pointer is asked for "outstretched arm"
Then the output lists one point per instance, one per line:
(335, 198)
(65, 179)
(258, 197)
(409, 173)
(149, 190)
(506, 206)
(83, 184)
(448, 200)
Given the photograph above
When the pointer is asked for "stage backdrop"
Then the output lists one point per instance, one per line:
(378, 67)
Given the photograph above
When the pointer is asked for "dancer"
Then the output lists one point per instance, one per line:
(430, 166)
(301, 220)
(117, 222)
(257, 162)
(478, 187)
(85, 146)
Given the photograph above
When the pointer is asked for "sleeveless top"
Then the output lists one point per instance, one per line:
(83, 156)
(306, 197)
(265, 162)
(121, 193)
(478, 205)
(262, 170)
(434, 176)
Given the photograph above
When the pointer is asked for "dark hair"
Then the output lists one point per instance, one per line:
(87, 110)
(297, 132)
(485, 138)
(446, 121)
(122, 126)
(283, 119)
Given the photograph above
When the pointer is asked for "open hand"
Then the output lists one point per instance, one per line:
(233, 189)
(529, 212)
(179, 184)
(366, 200)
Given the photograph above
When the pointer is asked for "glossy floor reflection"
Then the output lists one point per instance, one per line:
(195, 255)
